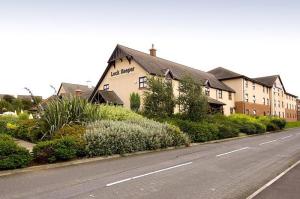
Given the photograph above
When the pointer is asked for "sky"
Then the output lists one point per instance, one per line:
(44, 43)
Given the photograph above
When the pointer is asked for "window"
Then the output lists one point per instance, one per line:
(274, 103)
(264, 101)
(268, 102)
(220, 94)
(142, 82)
(207, 91)
(254, 99)
(246, 97)
(265, 113)
(282, 104)
(254, 112)
(263, 88)
(267, 90)
(278, 103)
(106, 87)
(253, 86)
(231, 110)
(283, 114)
(230, 96)
(246, 84)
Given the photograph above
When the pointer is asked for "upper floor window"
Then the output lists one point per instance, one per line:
(207, 91)
(246, 83)
(268, 102)
(254, 99)
(230, 96)
(106, 87)
(253, 86)
(264, 101)
(142, 82)
(220, 94)
(263, 88)
(246, 97)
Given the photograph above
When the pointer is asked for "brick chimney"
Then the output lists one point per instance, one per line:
(153, 51)
(78, 92)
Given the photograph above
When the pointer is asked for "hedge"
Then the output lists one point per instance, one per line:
(118, 137)
(12, 156)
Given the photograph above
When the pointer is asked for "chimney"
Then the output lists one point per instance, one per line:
(78, 92)
(153, 51)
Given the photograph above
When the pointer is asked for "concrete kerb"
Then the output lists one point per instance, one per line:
(90, 160)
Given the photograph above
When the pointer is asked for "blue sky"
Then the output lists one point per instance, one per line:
(47, 42)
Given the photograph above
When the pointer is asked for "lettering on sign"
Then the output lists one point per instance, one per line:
(122, 71)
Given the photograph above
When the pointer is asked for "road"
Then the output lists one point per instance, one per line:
(285, 187)
(231, 169)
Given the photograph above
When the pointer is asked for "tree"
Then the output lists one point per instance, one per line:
(193, 103)
(159, 99)
(135, 102)
(5, 106)
(9, 98)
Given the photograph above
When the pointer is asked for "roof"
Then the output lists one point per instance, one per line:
(267, 80)
(223, 73)
(110, 97)
(71, 89)
(291, 94)
(158, 66)
(214, 101)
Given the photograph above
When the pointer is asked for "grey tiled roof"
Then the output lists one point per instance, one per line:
(158, 66)
(70, 89)
(267, 80)
(110, 97)
(223, 73)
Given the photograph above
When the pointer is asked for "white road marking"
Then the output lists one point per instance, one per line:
(147, 174)
(286, 137)
(232, 151)
(272, 181)
(267, 142)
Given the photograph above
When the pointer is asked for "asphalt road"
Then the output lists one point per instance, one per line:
(232, 169)
(286, 187)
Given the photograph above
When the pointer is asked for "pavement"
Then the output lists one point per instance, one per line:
(232, 169)
(287, 186)
(28, 145)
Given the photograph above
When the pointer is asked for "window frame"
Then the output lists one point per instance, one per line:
(142, 84)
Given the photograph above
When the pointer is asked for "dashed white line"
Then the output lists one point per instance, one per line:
(147, 174)
(267, 142)
(232, 151)
(286, 137)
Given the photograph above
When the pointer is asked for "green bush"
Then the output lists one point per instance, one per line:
(74, 130)
(62, 149)
(67, 111)
(8, 124)
(12, 156)
(135, 102)
(279, 122)
(227, 131)
(247, 124)
(29, 130)
(197, 131)
(117, 113)
(119, 137)
(293, 124)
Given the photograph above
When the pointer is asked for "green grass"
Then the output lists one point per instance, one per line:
(293, 124)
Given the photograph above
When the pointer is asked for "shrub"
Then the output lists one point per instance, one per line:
(73, 110)
(117, 113)
(247, 124)
(62, 149)
(279, 122)
(198, 131)
(8, 124)
(119, 137)
(29, 130)
(70, 130)
(12, 156)
(135, 102)
(23, 116)
(227, 131)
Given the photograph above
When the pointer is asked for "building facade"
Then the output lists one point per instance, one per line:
(259, 96)
(128, 69)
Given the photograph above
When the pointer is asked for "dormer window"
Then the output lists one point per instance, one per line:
(207, 91)
(106, 87)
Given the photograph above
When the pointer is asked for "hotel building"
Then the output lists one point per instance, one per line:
(227, 91)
